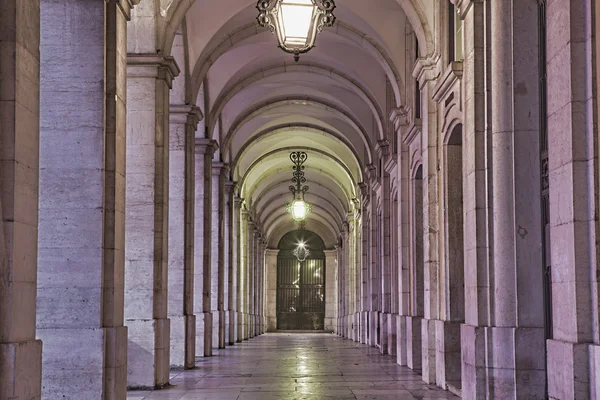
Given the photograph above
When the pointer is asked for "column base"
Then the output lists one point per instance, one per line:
(222, 326)
(349, 325)
(205, 320)
(356, 330)
(257, 319)
(21, 371)
(392, 334)
(572, 370)
(414, 343)
(364, 326)
(240, 327)
(373, 339)
(401, 340)
(448, 363)
(383, 332)
(516, 366)
(227, 327)
(473, 355)
(233, 327)
(148, 351)
(428, 372)
(183, 341)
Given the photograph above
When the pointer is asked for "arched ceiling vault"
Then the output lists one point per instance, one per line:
(302, 106)
(238, 85)
(260, 106)
(307, 132)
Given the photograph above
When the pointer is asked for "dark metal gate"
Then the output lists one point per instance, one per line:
(301, 284)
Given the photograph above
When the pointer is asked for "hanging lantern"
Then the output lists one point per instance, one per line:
(296, 22)
(299, 208)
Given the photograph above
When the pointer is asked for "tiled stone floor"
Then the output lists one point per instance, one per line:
(296, 366)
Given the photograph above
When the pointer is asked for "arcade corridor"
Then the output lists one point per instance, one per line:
(280, 366)
(183, 181)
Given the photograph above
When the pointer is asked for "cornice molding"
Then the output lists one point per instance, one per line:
(206, 146)
(186, 113)
(463, 6)
(426, 69)
(445, 84)
(399, 117)
(152, 66)
(413, 131)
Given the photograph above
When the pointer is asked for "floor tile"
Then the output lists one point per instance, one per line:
(284, 366)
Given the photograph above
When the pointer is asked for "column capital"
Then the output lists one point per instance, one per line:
(152, 66)
(426, 69)
(186, 114)
(463, 6)
(126, 6)
(206, 146)
(399, 117)
(220, 168)
(383, 147)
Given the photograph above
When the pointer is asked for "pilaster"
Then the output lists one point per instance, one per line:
(205, 149)
(20, 352)
(80, 246)
(183, 122)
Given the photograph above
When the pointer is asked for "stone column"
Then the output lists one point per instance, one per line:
(149, 79)
(232, 264)
(374, 277)
(271, 295)
(184, 120)
(574, 350)
(347, 246)
(330, 290)
(386, 278)
(238, 236)
(205, 149)
(82, 198)
(261, 279)
(516, 366)
(364, 272)
(218, 277)
(476, 203)
(340, 289)
(20, 352)
(248, 279)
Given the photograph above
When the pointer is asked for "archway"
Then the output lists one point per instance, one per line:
(301, 282)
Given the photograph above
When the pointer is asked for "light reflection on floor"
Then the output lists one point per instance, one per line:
(296, 366)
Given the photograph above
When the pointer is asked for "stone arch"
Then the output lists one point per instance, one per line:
(215, 49)
(252, 112)
(233, 88)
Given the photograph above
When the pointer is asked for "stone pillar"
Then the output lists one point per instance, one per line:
(249, 277)
(261, 277)
(364, 272)
(149, 79)
(238, 243)
(330, 290)
(82, 198)
(574, 350)
(184, 120)
(205, 149)
(374, 278)
(218, 276)
(20, 352)
(516, 367)
(347, 246)
(476, 204)
(271, 295)
(232, 263)
(386, 268)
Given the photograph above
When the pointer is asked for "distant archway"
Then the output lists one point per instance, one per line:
(301, 282)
